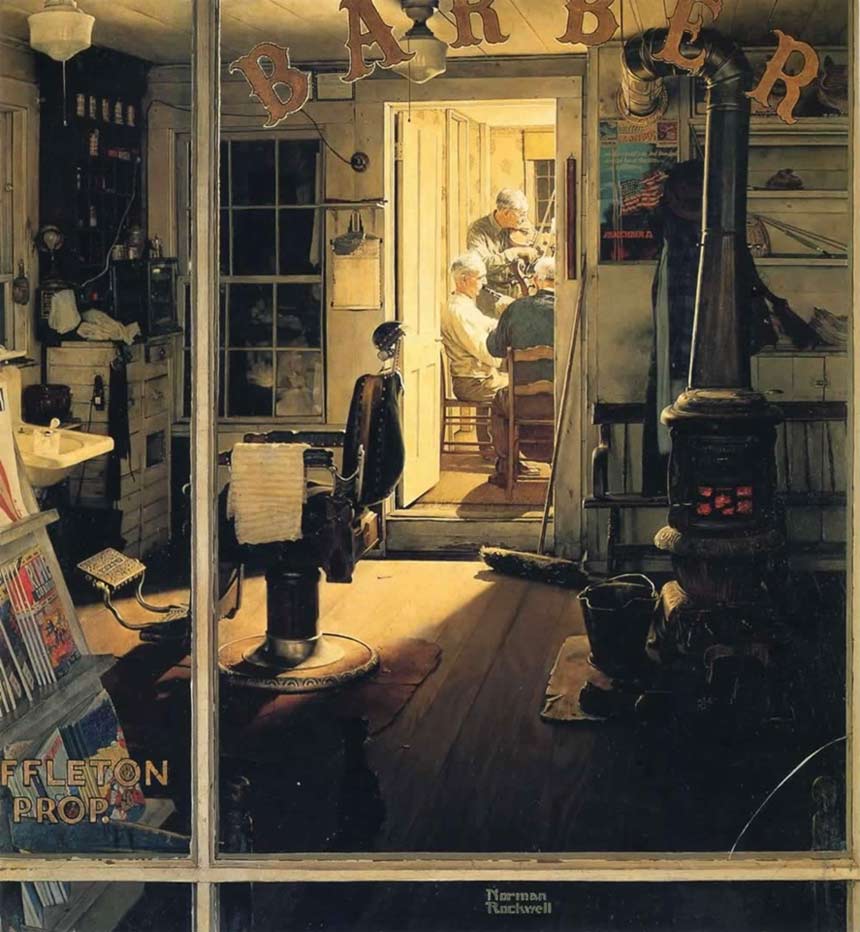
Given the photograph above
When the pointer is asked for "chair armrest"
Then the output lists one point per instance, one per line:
(313, 438)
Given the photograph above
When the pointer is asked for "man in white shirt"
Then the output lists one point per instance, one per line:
(474, 373)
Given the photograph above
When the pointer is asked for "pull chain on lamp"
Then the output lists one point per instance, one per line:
(60, 31)
(430, 53)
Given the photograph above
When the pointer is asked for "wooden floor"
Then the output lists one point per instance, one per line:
(463, 481)
(468, 766)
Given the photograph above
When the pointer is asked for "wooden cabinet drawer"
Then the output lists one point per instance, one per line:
(92, 354)
(82, 372)
(154, 492)
(789, 378)
(837, 373)
(93, 487)
(157, 538)
(131, 513)
(155, 396)
(156, 514)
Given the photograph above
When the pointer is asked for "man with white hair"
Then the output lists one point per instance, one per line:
(490, 237)
(475, 376)
(525, 323)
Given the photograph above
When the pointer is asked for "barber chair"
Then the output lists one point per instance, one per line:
(338, 528)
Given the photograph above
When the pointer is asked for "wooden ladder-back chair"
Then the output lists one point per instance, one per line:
(459, 415)
(520, 427)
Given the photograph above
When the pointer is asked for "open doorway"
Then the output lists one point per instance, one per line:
(451, 162)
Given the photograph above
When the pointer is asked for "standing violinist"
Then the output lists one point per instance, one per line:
(494, 238)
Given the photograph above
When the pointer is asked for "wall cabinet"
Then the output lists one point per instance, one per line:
(90, 180)
(145, 475)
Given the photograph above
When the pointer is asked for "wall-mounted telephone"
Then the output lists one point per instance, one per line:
(98, 398)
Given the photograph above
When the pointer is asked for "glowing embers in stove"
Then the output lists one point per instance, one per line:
(724, 501)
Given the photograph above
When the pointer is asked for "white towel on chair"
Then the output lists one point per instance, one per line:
(267, 491)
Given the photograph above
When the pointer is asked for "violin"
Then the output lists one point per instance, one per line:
(525, 235)
(521, 270)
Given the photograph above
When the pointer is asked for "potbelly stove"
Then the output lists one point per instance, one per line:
(724, 523)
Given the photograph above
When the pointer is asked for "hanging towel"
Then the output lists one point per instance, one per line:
(267, 491)
(118, 426)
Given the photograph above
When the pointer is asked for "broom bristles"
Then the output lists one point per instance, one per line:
(553, 570)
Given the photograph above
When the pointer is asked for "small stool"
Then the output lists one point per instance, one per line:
(110, 571)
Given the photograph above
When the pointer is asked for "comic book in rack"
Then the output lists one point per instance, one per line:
(42, 603)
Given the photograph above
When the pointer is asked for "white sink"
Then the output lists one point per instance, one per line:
(75, 447)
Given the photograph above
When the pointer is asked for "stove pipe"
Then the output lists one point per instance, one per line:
(720, 354)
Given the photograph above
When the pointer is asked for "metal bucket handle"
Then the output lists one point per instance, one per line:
(583, 596)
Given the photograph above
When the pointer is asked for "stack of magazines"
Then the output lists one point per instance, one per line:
(40, 894)
(26, 904)
(93, 735)
(37, 645)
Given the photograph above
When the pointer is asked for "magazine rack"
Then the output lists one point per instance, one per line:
(50, 702)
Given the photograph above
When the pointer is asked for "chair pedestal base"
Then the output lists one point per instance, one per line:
(294, 657)
(355, 659)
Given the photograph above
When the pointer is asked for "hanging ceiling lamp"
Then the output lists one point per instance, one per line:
(430, 54)
(61, 30)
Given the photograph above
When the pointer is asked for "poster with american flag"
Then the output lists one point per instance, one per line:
(642, 194)
(634, 163)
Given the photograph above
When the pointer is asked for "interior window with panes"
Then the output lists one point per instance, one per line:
(271, 279)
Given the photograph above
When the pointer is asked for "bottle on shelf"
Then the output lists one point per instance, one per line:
(94, 143)
(94, 218)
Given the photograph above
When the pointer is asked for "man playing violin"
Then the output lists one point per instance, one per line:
(500, 240)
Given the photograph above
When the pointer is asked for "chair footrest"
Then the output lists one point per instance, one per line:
(112, 569)
(626, 500)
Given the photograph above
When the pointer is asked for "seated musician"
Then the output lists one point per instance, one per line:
(475, 376)
(492, 237)
(526, 322)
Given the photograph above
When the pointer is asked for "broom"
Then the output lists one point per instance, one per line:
(538, 566)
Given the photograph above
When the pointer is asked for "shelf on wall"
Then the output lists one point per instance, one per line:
(802, 261)
(800, 193)
(374, 203)
(827, 130)
(27, 525)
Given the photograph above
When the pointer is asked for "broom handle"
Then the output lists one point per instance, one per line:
(550, 491)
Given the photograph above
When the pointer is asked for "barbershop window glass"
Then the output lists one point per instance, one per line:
(544, 190)
(95, 906)
(7, 192)
(272, 281)
(96, 747)
(574, 907)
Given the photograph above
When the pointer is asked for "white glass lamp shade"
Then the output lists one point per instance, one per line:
(61, 30)
(430, 58)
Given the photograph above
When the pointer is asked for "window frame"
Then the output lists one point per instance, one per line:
(15, 225)
(203, 868)
(279, 137)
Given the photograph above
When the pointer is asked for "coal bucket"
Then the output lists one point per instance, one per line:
(618, 615)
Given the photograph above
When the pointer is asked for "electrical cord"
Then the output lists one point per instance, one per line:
(304, 113)
(326, 143)
(120, 225)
